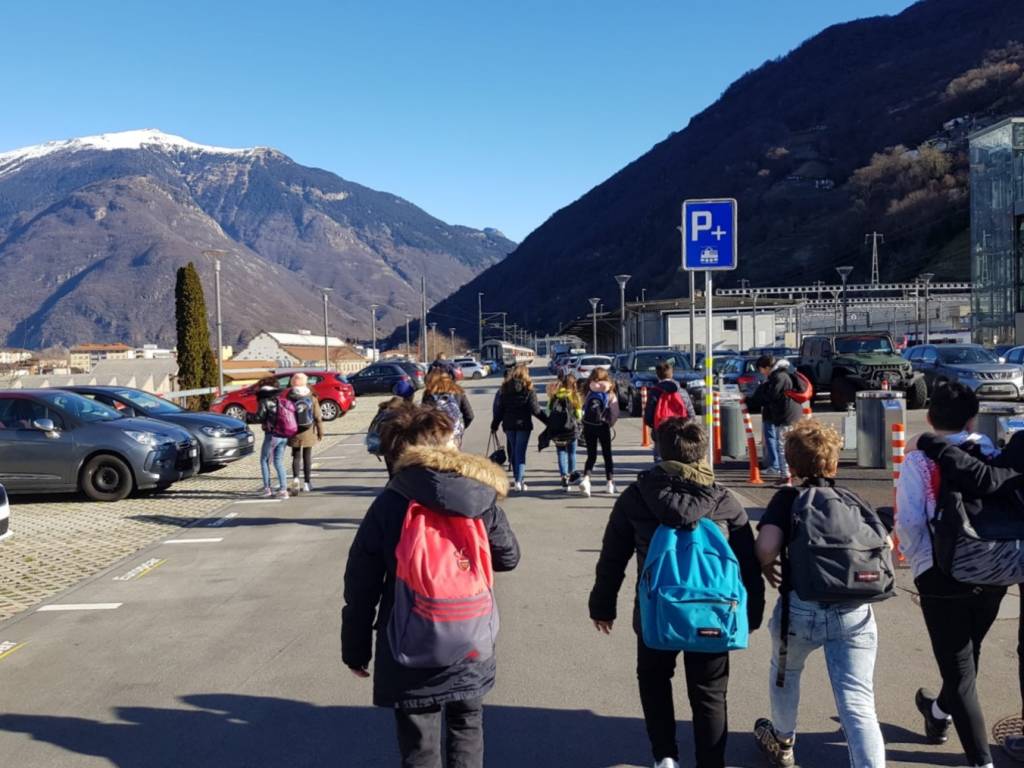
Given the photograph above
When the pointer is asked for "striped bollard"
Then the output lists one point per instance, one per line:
(807, 410)
(716, 405)
(755, 470)
(645, 433)
(899, 447)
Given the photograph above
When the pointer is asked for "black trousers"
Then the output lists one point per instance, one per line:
(707, 682)
(302, 457)
(958, 617)
(420, 734)
(1020, 647)
(592, 435)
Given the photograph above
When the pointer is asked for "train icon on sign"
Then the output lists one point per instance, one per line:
(709, 255)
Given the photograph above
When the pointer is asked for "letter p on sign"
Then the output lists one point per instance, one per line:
(700, 221)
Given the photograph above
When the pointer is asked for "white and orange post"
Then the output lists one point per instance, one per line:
(716, 421)
(748, 426)
(899, 448)
(808, 412)
(645, 433)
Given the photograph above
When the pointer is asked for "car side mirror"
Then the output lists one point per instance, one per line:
(44, 425)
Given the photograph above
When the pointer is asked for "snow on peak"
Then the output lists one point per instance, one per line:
(147, 137)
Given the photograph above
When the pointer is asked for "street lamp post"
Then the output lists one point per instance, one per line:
(844, 273)
(927, 278)
(433, 330)
(217, 255)
(408, 345)
(593, 313)
(373, 330)
(327, 355)
(622, 280)
(480, 322)
(452, 332)
(744, 285)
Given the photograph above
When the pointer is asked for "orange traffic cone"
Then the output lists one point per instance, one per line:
(755, 469)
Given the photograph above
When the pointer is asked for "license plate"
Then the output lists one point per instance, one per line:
(193, 452)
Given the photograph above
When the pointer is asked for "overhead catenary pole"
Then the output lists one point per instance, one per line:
(844, 273)
(593, 313)
(927, 279)
(874, 237)
(622, 280)
(408, 346)
(373, 330)
(452, 332)
(327, 351)
(423, 320)
(480, 322)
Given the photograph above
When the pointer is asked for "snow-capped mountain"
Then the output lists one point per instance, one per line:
(93, 228)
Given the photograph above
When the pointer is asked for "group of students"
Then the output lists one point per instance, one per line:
(290, 418)
(436, 622)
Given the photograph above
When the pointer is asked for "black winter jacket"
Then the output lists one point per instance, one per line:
(667, 386)
(771, 400)
(440, 479)
(266, 407)
(515, 407)
(663, 495)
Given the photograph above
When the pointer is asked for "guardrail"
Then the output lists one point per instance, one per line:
(183, 393)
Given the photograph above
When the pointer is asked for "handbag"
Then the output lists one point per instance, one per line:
(495, 452)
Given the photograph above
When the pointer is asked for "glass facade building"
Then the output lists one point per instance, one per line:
(997, 232)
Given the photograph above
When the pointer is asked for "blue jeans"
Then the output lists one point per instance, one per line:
(775, 449)
(518, 442)
(566, 458)
(273, 447)
(850, 639)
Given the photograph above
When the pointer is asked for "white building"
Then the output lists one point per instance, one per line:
(302, 349)
(12, 356)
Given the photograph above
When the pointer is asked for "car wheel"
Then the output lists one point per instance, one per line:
(917, 395)
(236, 412)
(844, 393)
(106, 478)
(329, 410)
(477, 375)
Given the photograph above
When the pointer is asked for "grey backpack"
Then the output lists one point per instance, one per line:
(837, 551)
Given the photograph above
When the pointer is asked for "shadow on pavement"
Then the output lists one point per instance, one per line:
(327, 523)
(236, 731)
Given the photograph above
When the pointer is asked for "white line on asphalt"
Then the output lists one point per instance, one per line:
(221, 520)
(141, 570)
(7, 647)
(193, 541)
(81, 607)
(259, 501)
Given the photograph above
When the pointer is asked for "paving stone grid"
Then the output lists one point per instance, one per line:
(58, 541)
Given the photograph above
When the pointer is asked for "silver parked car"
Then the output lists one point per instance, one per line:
(5, 515)
(52, 441)
(970, 364)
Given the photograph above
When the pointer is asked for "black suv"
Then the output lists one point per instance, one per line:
(635, 370)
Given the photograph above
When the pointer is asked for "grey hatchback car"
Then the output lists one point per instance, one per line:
(52, 441)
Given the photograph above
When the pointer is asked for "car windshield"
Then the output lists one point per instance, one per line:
(646, 361)
(853, 345)
(81, 408)
(965, 355)
(596, 361)
(147, 401)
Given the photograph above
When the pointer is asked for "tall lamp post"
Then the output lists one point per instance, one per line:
(408, 346)
(452, 332)
(433, 330)
(844, 273)
(217, 256)
(593, 314)
(622, 280)
(480, 322)
(926, 278)
(327, 355)
(373, 330)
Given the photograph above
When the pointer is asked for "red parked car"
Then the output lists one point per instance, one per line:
(335, 394)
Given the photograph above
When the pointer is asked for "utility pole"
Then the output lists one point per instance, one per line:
(408, 346)
(423, 320)
(327, 354)
(217, 256)
(433, 330)
(844, 273)
(373, 327)
(622, 280)
(927, 279)
(504, 326)
(480, 322)
(593, 314)
(874, 237)
(452, 332)
(744, 286)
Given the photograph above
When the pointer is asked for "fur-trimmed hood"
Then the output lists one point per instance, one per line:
(448, 479)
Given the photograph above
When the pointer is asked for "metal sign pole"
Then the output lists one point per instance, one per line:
(693, 320)
(708, 370)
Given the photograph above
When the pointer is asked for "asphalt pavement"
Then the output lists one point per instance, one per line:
(218, 647)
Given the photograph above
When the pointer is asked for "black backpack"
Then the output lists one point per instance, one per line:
(562, 422)
(596, 410)
(304, 416)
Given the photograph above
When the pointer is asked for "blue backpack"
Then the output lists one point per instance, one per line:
(690, 593)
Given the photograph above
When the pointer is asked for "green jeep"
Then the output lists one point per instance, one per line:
(843, 364)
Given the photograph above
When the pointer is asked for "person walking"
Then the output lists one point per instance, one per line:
(431, 670)
(957, 616)
(310, 424)
(679, 493)
(839, 619)
(441, 391)
(668, 386)
(565, 412)
(271, 414)
(779, 412)
(515, 407)
(600, 412)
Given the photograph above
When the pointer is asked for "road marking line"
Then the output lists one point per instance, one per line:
(8, 647)
(80, 607)
(193, 541)
(221, 520)
(141, 569)
(259, 501)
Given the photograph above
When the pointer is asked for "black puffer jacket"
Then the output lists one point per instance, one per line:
(266, 407)
(515, 406)
(676, 495)
(771, 400)
(440, 479)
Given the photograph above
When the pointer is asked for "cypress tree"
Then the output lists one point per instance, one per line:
(197, 365)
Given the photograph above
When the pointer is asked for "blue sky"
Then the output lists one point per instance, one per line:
(482, 113)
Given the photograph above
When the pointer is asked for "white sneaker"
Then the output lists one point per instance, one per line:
(667, 762)
(611, 492)
(293, 486)
(306, 488)
(585, 486)
(523, 486)
(517, 487)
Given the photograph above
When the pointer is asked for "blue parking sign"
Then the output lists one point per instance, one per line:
(710, 229)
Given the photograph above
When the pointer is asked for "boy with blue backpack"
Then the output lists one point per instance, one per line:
(699, 589)
(836, 559)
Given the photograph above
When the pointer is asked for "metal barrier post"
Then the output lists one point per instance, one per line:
(645, 433)
(717, 425)
(899, 447)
